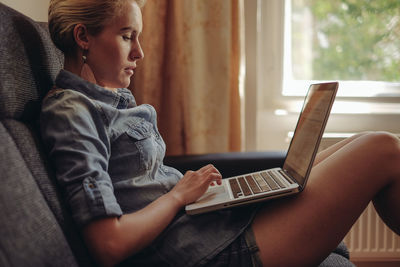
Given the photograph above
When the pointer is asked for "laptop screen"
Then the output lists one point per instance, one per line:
(309, 130)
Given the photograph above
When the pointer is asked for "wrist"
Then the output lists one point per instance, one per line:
(175, 199)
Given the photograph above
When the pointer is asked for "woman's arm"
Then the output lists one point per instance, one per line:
(77, 139)
(113, 239)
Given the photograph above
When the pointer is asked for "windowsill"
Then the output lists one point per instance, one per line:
(355, 89)
(345, 107)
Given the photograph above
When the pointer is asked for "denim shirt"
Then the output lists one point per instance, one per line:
(108, 156)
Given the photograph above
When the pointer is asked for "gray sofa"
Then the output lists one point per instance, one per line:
(36, 228)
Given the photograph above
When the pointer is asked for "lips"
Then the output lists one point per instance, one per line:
(130, 70)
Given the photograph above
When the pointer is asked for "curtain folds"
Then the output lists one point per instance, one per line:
(190, 73)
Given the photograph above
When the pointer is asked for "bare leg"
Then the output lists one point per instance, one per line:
(303, 230)
(332, 149)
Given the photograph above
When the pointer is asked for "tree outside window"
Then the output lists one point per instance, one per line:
(346, 40)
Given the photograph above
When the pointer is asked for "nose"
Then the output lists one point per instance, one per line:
(137, 52)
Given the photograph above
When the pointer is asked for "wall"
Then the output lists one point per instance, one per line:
(35, 9)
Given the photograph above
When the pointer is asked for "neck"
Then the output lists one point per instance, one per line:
(73, 65)
(76, 66)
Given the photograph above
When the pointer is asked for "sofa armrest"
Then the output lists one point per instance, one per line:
(230, 163)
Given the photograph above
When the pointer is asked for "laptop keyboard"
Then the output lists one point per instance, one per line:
(256, 183)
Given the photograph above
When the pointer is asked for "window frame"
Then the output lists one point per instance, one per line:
(355, 89)
(264, 101)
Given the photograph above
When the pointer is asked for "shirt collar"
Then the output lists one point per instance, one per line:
(123, 98)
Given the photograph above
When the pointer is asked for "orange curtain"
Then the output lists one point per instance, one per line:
(190, 73)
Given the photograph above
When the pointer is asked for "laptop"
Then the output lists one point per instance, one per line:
(277, 182)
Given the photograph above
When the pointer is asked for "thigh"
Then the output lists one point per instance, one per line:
(302, 230)
(332, 149)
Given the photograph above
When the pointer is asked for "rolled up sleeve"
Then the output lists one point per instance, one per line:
(75, 133)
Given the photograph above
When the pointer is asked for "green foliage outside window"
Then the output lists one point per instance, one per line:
(351, 39)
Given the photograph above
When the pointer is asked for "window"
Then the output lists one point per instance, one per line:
(354, 41)
(290, 44)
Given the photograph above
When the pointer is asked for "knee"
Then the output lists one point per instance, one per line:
(383, 138)
(384, 144)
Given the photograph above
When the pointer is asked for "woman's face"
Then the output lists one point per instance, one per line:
(113, 53)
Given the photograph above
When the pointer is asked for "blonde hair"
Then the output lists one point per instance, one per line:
(94, 14)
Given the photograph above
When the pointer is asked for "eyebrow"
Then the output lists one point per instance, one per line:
(128, 28)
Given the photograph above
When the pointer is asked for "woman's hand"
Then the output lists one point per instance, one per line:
(195, 183)
(128, 234)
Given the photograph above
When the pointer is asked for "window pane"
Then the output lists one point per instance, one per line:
(346, 40)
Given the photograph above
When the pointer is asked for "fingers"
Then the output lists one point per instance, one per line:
(207, 168)
(207, 174)
(212, 173)
(195, 183)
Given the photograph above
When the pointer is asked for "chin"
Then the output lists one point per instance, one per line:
(121, 84)
(125, 85)
(124, 82)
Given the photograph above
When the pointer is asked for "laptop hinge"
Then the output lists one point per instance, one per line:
(287, 176)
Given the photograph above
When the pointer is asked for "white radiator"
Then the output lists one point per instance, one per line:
(370, 239)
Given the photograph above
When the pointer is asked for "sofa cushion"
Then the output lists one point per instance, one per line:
(30, 234)
(29, 63)
(29, 145)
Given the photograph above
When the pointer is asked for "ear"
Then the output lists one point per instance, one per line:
(81, 36)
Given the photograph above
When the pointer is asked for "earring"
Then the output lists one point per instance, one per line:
(84, 57)
(86, 71)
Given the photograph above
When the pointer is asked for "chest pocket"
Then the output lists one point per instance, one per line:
(134, 152)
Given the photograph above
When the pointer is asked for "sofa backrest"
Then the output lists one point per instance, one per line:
(35, 226)
(29, 63)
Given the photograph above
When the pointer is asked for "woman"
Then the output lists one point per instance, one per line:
(108, 156)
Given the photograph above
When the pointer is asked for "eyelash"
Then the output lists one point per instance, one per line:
(126, 38)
